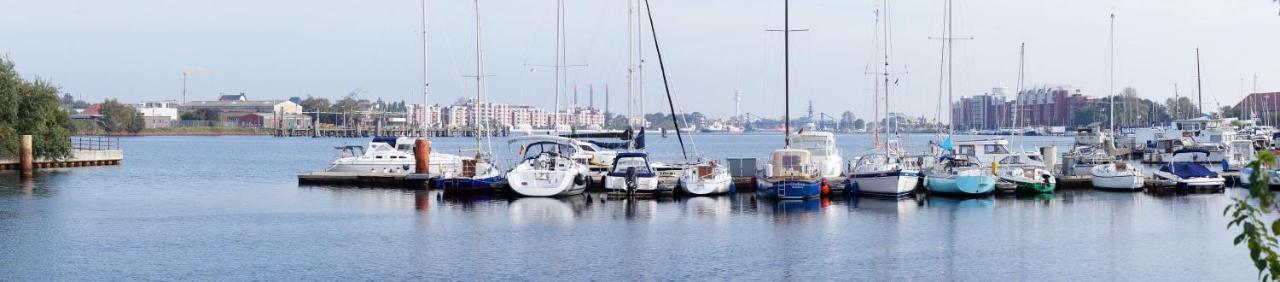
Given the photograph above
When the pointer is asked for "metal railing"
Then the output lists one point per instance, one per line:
(95, 143)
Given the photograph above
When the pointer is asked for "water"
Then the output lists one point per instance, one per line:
(229, 208)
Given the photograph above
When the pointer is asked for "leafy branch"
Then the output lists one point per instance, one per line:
(1263, 239)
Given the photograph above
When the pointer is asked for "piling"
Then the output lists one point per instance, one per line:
(1050, 155)
(422, 156)
(27, 159)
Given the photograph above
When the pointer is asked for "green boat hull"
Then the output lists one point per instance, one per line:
(1033, 187)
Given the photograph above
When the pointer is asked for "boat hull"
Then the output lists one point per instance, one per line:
(894, 183)
(619, 184)
(469, 184)
(718, 183)
(541, 183)
(1204, 182)
(964, 185)
(1106, 178)
(789, 189)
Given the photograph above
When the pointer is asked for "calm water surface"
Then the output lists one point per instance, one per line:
(229, 208)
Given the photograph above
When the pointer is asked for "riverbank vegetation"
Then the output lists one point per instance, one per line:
(31, 108)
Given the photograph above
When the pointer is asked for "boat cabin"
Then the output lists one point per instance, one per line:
(791, 163)
(818, 143)
(990, 149)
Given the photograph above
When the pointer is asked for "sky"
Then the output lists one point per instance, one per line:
(136, 50)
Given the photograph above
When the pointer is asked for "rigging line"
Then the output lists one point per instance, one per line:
(666, 86)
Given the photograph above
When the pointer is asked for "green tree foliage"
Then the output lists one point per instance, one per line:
(1260, 234)
(31, 108)
(203, 115)
(117, 117)
(1182, 108)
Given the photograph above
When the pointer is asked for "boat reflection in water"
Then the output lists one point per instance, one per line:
(562, 210)
(709, 205)
(791, 207)
(959, 203)
(884, 205)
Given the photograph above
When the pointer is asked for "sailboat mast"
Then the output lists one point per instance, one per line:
(875, 93)
(1199, 87)
(631, 115)
(555, 114)
(671, 103)
(1111, 88)
(950, 33)
(479, 81)
(425, 84)
(786, 72)
(891, 122)
(1017, 122)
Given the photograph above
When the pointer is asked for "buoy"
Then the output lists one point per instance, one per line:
(826, 189)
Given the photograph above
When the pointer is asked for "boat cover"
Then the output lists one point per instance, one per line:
(1188, 170)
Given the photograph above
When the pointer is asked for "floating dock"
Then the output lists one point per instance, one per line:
(401, 180)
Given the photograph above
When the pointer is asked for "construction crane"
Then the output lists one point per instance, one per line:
(189, 72)
(823, 117)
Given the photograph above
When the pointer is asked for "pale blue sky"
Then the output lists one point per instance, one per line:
(135, 50)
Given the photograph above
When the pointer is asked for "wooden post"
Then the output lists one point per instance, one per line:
(27, 159)
(422, 156)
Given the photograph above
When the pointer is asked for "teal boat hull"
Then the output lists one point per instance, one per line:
(962, 185)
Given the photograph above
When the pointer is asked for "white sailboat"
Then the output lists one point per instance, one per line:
(549, 167)
(1115, 174)
(886, 170)
(479, 174)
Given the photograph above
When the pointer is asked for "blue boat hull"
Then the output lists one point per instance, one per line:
(962, 185)
(469, 184)
(790, 189)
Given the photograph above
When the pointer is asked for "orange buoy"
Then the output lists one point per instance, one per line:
(825, 188)
(422, 156)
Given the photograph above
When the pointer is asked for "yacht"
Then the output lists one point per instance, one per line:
(1117, 176)
(1190, 174)
(1240, 154)
(389, 155)
(791, 173)
(888, 172)
(1027, 172)
(631, 173)
(961, 175)
(552, 166)
(706, 179)
(822, 149)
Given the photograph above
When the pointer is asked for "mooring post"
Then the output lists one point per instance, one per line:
(422, 156)
(26, 159)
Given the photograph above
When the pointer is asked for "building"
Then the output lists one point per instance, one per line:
(1035, 107)
(1259, 104)
(158, 114)
(231, 107)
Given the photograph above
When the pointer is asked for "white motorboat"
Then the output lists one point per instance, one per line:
(1117, 176)
(1247, 172)
(706, 179)
(1027, 172)
(1241, 153)
(822, 149)
(631, 173)
(884, 172)
(390, 155)
(549, 168)
(1190, 174)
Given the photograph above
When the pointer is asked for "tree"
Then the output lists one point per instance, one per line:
(202, 115)
(1260, 233)
(1087, 115)
(31, 108)
(859, 124)
(846, 121)
(117, 117)
(1182, 108)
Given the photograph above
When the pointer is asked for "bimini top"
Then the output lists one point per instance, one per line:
(791, 163)
(639, 161)
(1192, 151)
(543, 138)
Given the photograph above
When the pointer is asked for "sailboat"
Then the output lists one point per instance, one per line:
(696, 176)
(790, 173)
(1026, 170)
(1114, 174)
(552, 166)
(886, 170)
(957, 174)
(479, 173)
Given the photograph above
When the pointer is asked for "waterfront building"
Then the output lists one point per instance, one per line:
(231, 107)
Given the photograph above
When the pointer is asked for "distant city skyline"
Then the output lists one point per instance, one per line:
(136, 50)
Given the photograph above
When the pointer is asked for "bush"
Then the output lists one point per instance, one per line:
(31, 108)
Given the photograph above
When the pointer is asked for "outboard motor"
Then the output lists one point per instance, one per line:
(631, 181)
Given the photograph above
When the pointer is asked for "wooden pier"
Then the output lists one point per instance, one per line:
(86, 151)
(366, 179)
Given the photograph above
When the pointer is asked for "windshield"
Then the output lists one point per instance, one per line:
(535, 149)
(816, 147)
(622, 164)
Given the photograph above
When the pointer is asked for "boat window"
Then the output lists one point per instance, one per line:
(405, 147)
(966, 150)
(622, 164)
(995, 149)
(792, 162)
(586, 148)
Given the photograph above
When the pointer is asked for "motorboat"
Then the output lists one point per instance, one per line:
(1027, 172)
(961, 175)
(1190, 174)
(822, 149)
(631, 173)
(887, 172)
(707, 178)
(1167, 150)
(1241, 153)
(1246, 175)
(389, 155)
(1117, 176)
(790, 175)
(549, 167)
(1084, 158)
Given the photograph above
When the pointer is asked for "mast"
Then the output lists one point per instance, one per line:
(891, 122)
(1022, 57)
(1111, 88)
(786, 72)
(1199, 87)
(950, 33)
(555, 114)
(479, 82)
(425, 84)
(1177, 103)
(670, 102)
(875, 93)
(631, 115)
